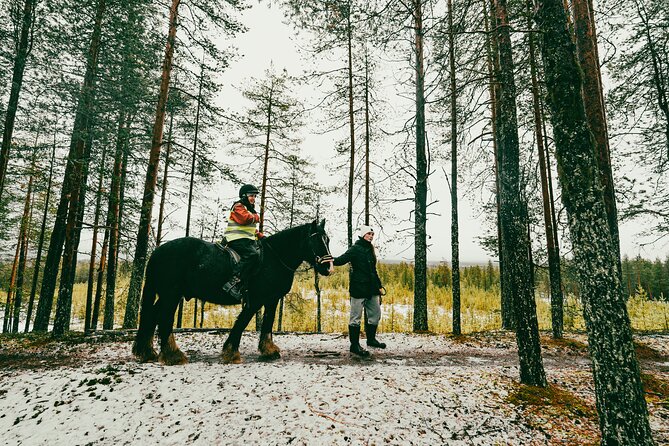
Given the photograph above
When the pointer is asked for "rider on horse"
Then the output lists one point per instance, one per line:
(242, 235)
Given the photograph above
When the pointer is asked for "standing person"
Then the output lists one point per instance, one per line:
(365, 289)
(242, 236)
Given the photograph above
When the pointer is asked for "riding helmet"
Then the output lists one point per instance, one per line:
(248, 189)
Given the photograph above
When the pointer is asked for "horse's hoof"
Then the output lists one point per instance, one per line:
(234, 359)
(145, 354)
(270, 356)
(230, 356)
(173, 358)
(148, 357)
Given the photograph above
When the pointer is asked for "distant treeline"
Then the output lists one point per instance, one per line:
(642, 277)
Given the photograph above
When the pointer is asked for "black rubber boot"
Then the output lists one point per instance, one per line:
(370, 330)
(354, 336)
(234, 288)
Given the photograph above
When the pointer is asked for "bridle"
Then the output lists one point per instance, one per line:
(317, 259)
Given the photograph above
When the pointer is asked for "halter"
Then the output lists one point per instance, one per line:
(327, 257)
(317, 259)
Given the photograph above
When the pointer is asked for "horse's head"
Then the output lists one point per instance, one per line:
(319, 245)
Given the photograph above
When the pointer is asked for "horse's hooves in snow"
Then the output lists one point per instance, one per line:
(230, 356)
(173, 358)
(144, 354)
(270, 356)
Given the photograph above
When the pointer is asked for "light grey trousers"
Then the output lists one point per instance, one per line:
(372, 306)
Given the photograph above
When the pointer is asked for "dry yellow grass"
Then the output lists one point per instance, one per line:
(480, 309)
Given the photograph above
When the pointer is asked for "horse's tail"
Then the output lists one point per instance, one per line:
(148, 319)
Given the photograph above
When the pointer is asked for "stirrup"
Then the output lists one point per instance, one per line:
(233, 289)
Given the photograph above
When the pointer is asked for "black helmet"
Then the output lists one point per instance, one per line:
(248, 189)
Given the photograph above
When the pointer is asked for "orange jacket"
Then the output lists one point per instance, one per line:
(242, 216)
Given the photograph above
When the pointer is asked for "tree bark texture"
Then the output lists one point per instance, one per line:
(113, 219)
(557, 299)
(593, 100)
(420, 322)
(514, 219)
(23, 241)
(75, 219)
(7, 320)
(351, 121)
(265, 163)
(98, 286)
(455, 237)
(40, 243)
(163, 191)
(142, 245)
(73, 175)
(367, 138)
(623, 415)
(23, 49)
(493, 74)
(94, 246)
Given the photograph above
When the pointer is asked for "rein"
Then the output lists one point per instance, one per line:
(317, 259)
(293, 270)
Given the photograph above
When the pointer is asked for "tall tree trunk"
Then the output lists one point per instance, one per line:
(514, 217)
(75, 220)
(73, 175)
(623, 415)
(163, 191)
(593, 99)
(23, 255)
(351, 126)
(141, 248)
(551, 195)
(190, 191)
(557, 300)
(100, 276)
(317, 285)
(420, 208)
(113, 218)
(367, 137)
(455, 238)
(493, 72)
(7, 320)
(265, 164)
(94, 245)
(40, 244)
(22, 51)
(23, 240)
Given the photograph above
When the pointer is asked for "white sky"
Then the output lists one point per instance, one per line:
(270, 41)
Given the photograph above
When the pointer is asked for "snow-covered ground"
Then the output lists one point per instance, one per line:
(423, 390)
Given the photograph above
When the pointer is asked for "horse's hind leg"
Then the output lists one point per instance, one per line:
(169, 352)
(231, 347)
(142, 348)
(267, 347)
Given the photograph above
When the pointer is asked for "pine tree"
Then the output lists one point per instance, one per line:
(623, 415)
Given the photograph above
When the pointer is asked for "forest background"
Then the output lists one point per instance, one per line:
(216, 137)
(551, 118)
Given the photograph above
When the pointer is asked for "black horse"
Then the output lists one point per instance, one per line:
(192, 268)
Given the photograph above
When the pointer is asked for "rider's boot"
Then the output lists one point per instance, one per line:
(234, 288)
(354, 336)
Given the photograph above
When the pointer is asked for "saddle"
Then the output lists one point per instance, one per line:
(234, 256)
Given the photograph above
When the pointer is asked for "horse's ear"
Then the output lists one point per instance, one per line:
(314, 224)
(323, 224)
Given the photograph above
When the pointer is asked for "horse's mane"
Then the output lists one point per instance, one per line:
(288, 233)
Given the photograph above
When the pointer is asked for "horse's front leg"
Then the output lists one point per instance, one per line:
(231, 347)
(267, 347)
